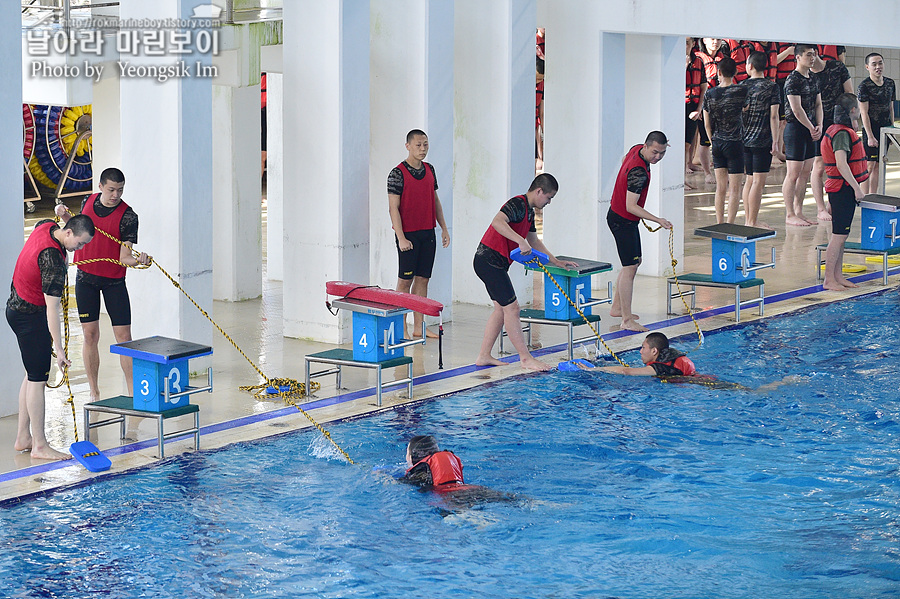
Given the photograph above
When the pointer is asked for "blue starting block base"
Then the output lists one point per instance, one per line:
(344, 357)
(161, 374)
(880, 226)
(851, 247)
(734, 251)
(694, 280)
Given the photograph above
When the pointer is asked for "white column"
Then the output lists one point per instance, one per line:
(654, 82)
(612, 135)
(275, 177)
(327, 211)
(236, 192)
(412, 83)
(11, 370)
(106, 126)
(494, 131)
(167, 160)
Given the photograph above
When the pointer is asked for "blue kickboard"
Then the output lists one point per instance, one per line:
(516, 255)
(573, 365)
(89, 456)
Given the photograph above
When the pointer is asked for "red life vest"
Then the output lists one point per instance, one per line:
(498, 242)
(711, 65)
(262, 90)
(102, 246)
(445, 468)
(771, 52)
(27, 274)
(788, 64)
(682, 363)
(538, 98)
(417, 200)
(694, 80)
(740, 50)
(856, 161)
(827, 53)
(618, 205)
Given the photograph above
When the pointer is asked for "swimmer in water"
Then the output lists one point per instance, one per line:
(672, 366)
(442, 472)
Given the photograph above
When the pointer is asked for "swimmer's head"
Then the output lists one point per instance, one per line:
(419, 448)
(846, 109)
(652, 345)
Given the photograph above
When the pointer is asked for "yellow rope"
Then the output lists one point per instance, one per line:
(294, 387)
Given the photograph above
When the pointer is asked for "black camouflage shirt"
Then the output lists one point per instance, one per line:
(516, 209)
(725, 106)
(879, 99)
(805, 87)
(762, 94)
(831, 85)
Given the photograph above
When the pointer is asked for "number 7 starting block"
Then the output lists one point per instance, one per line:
(378, 343)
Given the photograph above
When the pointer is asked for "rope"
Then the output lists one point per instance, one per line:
(287, 388)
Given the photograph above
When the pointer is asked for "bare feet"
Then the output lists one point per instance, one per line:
(23, 443)
(633, 325)
(535, 364)
(688, 186)
(797, 221)
(847, 283)
(824, 215)
(489, 361)
(429, 334)
(829, 286)
(48, 453)
(619, 315)
(710, 178)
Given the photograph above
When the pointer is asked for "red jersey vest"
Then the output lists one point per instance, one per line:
(102, 246)
(498, 242)
(417, 200)
(27, 274)
(445, 468)
(827, 52)
(856, 161)
(632, 159)
(694, 79)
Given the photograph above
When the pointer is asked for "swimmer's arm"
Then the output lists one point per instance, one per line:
(397, 222)
(501, 225)
(537, 244)
(867, 124)
(632, 206)
(627, 370)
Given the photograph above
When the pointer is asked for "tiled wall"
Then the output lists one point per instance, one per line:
(856, 63)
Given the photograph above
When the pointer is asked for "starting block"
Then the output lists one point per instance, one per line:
(880, 230)
(378, 343)
(576, 283)
(733, 263)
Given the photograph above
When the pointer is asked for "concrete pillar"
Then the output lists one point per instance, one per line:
(167, 160)
(275, 177)
(106, 125)
(327, 211)
(494, 131)
(654, 81)
(11, 370)
(236, 187)
(412, 88)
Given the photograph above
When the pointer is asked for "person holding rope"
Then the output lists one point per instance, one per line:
(106, 274)
(33, 313)
(625, 212)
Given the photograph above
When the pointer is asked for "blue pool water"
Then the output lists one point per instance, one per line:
(635, 488)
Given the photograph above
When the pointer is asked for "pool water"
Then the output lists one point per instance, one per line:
(629, 487)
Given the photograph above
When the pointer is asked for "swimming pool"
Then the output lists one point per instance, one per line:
(635, 488)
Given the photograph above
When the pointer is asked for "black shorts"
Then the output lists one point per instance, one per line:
(871, 152)
(35, 342)
(798, 142)
(690, 125)
(730, 155)
(496, 281)
(627, 236)
(825, 125)
(757, 160)
(419, 261)
(115, 298)
(780, 84)
(843, 206)
(263, 129)
(704, 138)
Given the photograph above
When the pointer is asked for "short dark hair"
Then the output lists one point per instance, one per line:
(112, 174)
(422, 446)
(840, 50)
(657, 341)
(539, 65)
(842, 107)
(802, 48)
(81, 224)
(759, 61)
(413, 134)
(871, 54)
(657, 137)
(727, 67)
(545, 182)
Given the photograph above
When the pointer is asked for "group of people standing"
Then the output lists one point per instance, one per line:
(747, 102)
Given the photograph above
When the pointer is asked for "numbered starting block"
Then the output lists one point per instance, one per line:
(574, 284)
(880, 229)
(378, 343)
(733, 265)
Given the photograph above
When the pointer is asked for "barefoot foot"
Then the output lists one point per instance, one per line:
(824, 215)
(48, 453)
(489, 361)
(535, 364)
(23, 443)
(796, 221)
(633, 325)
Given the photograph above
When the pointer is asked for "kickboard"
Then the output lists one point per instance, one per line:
(572, 366)
(849, 268)
(877, 260)
(89, 456)
(388, 297)
(517, 256)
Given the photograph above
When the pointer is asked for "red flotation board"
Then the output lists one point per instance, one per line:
(385, 296)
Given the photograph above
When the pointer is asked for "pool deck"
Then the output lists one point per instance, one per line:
(229, 415)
